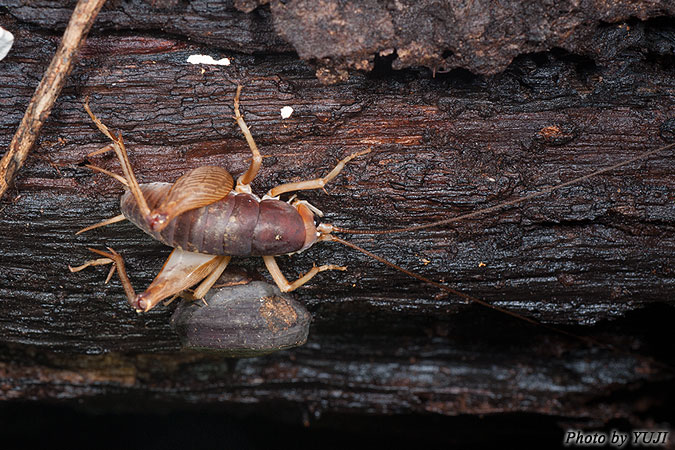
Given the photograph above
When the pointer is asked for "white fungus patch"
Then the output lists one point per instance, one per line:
(6, 41)
(286, 112)
(206, 59)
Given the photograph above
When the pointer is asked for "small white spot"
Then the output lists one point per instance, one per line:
(206, 59)
(491, 179)
(6, 41)
(286, 112)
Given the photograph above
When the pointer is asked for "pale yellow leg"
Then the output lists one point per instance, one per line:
(317, 183)
(118, 261)
(109, 173)
(283, 283)
(209, 281)
(93, 262)
(101, 150)
(103, 223)
(256, 159)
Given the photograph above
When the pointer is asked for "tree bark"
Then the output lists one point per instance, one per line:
(595, 259)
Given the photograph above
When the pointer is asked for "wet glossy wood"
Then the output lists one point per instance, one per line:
(597, 257)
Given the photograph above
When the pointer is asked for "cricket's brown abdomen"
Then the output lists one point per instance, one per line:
(238, 225)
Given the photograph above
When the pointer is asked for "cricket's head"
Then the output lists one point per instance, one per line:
(307, 212)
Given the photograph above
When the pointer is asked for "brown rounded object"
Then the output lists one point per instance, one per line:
(242, 320)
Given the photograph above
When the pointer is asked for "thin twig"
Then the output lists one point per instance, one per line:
(48, 90)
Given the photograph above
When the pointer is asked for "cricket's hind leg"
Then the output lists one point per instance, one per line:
(123, 157)
(115, 176)
(181, 271)
(114, 258)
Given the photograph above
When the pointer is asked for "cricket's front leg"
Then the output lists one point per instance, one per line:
(282, 282)
(317, 183)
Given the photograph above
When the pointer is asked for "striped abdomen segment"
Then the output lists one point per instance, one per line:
(238, 225)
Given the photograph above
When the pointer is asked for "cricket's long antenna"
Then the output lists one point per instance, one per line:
(455, 291)
(585, 339)
(508, 203)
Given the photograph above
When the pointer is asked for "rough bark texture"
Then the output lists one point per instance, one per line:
(596, 259)
(482, 36)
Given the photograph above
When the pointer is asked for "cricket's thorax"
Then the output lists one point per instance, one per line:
(239, 225)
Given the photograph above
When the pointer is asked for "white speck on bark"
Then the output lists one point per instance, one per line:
(286, 112)
(6, 41)
(206, 59)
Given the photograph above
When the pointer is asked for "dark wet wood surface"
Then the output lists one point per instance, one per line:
(596, 259)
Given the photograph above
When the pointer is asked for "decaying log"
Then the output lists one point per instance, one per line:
(595, 259)
(336, 36)
(481, 36)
